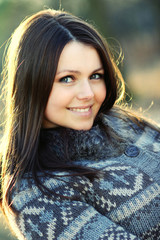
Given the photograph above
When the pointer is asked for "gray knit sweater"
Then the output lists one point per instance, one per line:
(124, 203)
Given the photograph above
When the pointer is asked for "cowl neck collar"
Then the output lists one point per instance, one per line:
(93, 144)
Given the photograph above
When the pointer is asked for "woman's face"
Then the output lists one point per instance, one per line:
(78, 90)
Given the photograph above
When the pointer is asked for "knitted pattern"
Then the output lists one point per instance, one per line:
(124, 203)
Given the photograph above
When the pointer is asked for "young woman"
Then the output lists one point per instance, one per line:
(73, 164)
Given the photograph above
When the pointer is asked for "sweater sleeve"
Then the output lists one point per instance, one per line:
(42, 218)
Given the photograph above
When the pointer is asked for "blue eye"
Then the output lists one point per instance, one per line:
(67, 79)
(97, 76)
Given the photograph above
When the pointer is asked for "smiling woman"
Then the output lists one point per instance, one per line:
(74, 165)
(80, 80)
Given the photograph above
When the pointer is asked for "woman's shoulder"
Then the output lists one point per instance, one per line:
(27, 190)
(24, 192)
(133, 127)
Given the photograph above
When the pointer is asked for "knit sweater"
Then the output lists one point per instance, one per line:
(123, 203)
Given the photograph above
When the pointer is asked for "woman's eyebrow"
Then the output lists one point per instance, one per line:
(68, 71)
(98, 69)
(77, 72)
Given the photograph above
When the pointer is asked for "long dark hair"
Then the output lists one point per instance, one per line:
(31, 64)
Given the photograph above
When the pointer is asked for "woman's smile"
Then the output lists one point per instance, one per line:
(82, 111)
(78, 90)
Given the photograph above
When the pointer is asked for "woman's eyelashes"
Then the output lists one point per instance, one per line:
(97, 76)
(67, 79)
(71, 79)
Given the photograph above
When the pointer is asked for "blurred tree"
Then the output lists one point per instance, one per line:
(98, 12)
(12, 12)
(156, 10)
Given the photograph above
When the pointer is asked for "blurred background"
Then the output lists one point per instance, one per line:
(132, 27)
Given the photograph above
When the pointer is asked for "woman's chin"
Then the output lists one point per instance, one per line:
(83, 128)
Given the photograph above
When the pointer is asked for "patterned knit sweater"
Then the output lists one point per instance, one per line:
(123, 203)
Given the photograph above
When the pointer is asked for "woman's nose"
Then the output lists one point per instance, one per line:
(85, 90)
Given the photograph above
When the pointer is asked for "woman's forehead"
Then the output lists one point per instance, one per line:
(77, 55)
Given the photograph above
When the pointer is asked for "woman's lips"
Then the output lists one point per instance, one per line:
(82, 110)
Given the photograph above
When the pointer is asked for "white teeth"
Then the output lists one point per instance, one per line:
(80, 109)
